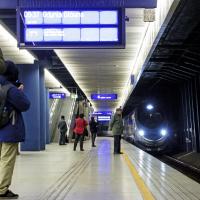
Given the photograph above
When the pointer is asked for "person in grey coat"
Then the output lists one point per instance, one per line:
(2, 63)
(116, 126)
(62, 126)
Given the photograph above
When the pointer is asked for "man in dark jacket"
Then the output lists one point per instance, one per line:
(13, 132)
(62, 126)
(93, 129)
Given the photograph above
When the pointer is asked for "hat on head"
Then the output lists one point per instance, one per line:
(12, 71)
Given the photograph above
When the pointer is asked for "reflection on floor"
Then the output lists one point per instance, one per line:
(60, 173)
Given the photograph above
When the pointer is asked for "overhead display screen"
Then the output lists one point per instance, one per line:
(57, 95)
(71, 28)
(104, 96)
(103, 113)
(103, 118)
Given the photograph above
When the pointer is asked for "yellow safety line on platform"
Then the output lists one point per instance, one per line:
(146, 194)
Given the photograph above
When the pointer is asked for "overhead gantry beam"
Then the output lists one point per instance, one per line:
(81, 4)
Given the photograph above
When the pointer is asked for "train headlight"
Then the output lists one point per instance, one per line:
(163, 132)
(149, 107)
(141, 132)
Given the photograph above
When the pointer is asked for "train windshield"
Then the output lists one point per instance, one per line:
(150, 120)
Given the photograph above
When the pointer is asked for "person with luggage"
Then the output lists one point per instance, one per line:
(12, 130)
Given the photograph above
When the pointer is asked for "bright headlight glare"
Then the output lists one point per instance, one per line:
(149, 107)
(163, 132)
(141, 132)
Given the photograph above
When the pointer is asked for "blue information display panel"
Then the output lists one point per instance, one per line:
(103, 118)
(57, 95)
(71, 28)
(103, 113)
(103, 96)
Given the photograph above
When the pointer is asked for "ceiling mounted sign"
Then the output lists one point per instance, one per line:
(103, 97)
(50, 29)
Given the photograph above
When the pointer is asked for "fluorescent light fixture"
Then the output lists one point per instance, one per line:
(9, 40)
(51, 80)
(148, 39)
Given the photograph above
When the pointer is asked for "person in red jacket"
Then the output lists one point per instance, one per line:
(80, 126)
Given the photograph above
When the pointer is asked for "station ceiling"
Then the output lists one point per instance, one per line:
(106, 70)
(175, 60)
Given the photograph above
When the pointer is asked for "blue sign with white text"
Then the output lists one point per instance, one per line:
(72, 28)
(57, 95)
(103, 96)
(103, 113)
(103, 118)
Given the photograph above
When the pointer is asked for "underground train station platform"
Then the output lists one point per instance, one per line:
(59, 173)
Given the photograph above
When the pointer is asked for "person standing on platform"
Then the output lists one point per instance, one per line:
(2, 63)
(116, 126)
(12, 129)
(62, 126)
(80, 126)
(93, 130)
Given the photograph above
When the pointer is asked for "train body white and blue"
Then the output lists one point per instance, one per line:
(148, 127)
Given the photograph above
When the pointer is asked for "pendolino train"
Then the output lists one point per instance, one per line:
(148, 127)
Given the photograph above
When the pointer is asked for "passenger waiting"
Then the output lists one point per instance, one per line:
(2, 63)
(12, 129)
(80, 126)
(93, 130)
(62, 126)
(116, 126)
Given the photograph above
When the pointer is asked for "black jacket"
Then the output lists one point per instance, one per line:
(93, 126)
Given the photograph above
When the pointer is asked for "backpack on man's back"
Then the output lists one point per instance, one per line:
(5, 114)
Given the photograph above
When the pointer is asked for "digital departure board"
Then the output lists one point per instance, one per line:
(71, 28)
